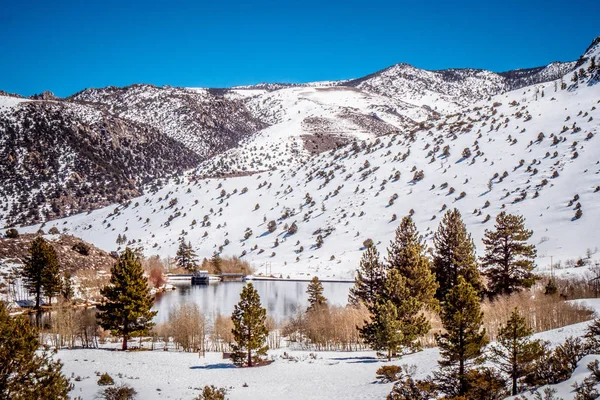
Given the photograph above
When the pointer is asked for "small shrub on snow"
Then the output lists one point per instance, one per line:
(121, 392)
(212, 393)
(389, 373)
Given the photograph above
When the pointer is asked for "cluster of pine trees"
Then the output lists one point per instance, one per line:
(447, 279)
(41, 273)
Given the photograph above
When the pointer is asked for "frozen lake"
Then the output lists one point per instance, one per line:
(282, 299)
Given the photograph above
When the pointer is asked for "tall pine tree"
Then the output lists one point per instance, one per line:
(407, 255)
(462, 344)
(508, 261)
(249, 329)
(41, 271)
(454, 255)
(217, 263)
(25, 372)
(369, 279)
(515, 353)
(186, 256)
(397, 320)
(127, 300)
(316, 300)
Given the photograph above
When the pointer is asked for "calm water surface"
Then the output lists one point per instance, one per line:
(282, 299)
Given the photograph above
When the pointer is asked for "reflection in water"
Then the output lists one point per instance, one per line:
(282, 299)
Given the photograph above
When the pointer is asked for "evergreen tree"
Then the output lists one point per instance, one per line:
(186, 256)
(515, 353)
(127, 300)
(217, 263)
(462, 343)
(508, 259)
(407, 255)
(397, 320)
(25, 372)
(369, 279)
(66, 289)
(454, 255)
(249, 329)
(41, 270)
(316, 300)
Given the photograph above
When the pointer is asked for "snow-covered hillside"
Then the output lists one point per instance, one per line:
(346, 160)
(534, 151)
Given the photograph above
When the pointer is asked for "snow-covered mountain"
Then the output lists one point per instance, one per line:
(61, 158)
(341, 160)
(533, 151)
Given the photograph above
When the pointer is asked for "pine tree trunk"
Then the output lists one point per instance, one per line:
(249, 350)
(125, 334)
(390, 354)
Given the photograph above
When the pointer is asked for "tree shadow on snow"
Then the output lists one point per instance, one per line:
(214, 366)
(357, 360)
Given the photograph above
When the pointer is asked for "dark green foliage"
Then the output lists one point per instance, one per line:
(389, 373)
(404, 287)
(485, 384)
(515, 353)
(316, 300)
(12, 233)
(186, 256)
(82, 248)
(41, 271)
(592, 336)
(212, 393)
(550, 289)
(407, 255)
(557, 365)
(249, 330)
(105, 380)
(409, 389)
(397, 320)
(217, 263)
(120, 392)
(508, 259)
(369, 279)
(462, 344)
(66, 289)
(586, 390)
(454, 255)
(25, 372)
(127, 300)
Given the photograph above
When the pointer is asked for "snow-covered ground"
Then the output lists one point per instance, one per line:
(297, 375)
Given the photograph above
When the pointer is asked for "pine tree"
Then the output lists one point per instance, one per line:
(316, 300)
(249, 329)
(462, 343)
(126, 308)
(508, 261)
(186, 256)
(407, 255)
(217, 263)
(515, 353)
(25, 372)
(454, 255)
(41, 270)
(369, 279)
(66, 289)
(397, 320)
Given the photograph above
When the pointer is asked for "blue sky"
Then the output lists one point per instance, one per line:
(66, 46)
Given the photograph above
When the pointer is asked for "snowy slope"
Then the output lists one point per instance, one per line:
(293, 374)
(352, 187)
